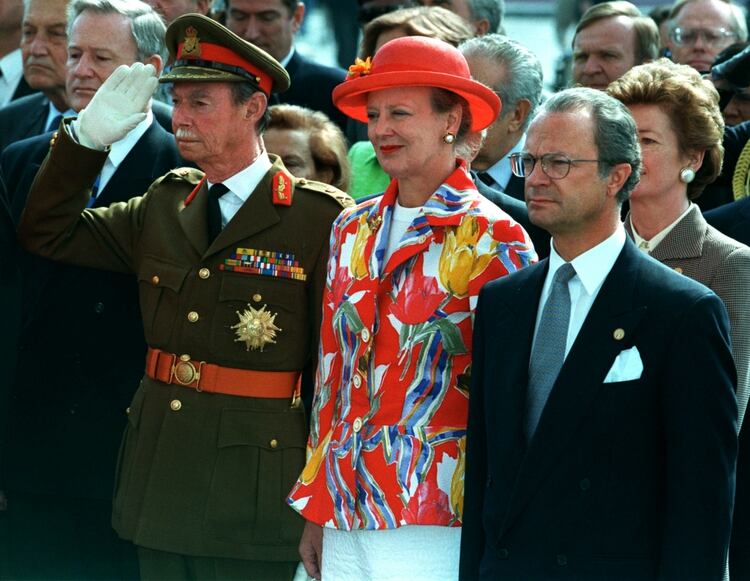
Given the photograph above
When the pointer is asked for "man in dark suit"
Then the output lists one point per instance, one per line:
(515, 74)
(271, 25)
(595, 450)
(44, 52)
(81, 346)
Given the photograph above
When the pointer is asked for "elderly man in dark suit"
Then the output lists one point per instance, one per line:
(596, 450)
(67, 411)
(231, 266)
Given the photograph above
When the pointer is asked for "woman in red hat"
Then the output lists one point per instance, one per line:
(383, 485)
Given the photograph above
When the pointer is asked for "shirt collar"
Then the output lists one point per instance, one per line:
(120, 149)
(285, 61)
(649, 245)
(593, 266)
(500, 171)
(244, 182)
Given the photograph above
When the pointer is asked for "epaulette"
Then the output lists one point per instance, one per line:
(185, 174)
(281, 187)
(342, 199)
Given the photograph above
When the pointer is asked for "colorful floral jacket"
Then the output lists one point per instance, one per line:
(388, 426)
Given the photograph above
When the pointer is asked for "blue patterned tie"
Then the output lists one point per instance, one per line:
(549, 347)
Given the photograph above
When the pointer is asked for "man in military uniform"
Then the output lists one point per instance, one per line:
(231, 265)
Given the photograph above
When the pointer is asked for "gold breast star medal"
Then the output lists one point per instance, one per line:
(256, 327)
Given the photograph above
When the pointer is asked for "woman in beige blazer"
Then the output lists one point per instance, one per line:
(680, 128)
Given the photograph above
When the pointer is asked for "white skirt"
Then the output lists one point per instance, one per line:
(409, 553)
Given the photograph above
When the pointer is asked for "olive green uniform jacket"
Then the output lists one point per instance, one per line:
(199, 473)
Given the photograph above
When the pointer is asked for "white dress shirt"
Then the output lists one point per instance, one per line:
(500, 171)
(592, 267)
(11, 66)
(241, 185)
(120, 150)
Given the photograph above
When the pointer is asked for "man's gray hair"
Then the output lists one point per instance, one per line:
(492, 10)
(615, 132)
(146, 25)
(523, 71)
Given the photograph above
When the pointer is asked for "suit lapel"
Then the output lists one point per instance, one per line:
(581, 377)
(681, 242)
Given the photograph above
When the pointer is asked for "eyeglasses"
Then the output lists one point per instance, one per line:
(713, 37)
(555, 165)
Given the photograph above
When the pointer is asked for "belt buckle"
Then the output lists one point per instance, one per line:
(185, 373)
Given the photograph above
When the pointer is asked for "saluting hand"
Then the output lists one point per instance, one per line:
(117, 106)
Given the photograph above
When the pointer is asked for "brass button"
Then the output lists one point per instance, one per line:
(365, 335)
(274, 443)
(357, 425)
(193, 316)
(184, 173)
(176, 405)
(127, 411)
(257, 297)
(357, 380)
(302, 181)
(204, 273)
(155, 280)
(619, 334)
(678, 270)
(54, 138)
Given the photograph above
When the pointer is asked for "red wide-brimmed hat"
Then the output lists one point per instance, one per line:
(416, 61)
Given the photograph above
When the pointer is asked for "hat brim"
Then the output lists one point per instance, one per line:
(351, 95)
(199, 75)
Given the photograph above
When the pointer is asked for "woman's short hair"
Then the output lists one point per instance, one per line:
(430, 21)
(328, 145)
(690, 102)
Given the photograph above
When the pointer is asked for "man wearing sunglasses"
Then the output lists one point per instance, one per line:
(602, 434)
(700, 29)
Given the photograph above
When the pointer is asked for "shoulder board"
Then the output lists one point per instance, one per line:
(281, 186)
(186, 174)
(341, 198)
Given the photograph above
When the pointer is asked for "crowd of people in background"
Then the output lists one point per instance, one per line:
(438, 317)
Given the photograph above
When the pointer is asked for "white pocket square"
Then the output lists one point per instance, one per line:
(627, 366)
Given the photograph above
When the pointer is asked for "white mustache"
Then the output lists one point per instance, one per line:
(182, 133)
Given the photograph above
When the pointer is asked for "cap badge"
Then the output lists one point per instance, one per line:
(256, 327)
(191, 47)
(360, 68)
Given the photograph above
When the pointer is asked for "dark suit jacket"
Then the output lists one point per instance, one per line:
(732, 219)
(27, 117)
(515, 188)
(23, 118)
(628, 480)
(81, 346)
(312, 85)
(517, 210)
(22, 89)
(720, 192)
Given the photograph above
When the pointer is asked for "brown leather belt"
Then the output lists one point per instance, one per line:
(181, 370)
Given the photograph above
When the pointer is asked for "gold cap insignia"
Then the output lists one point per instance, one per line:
(191, 48)
(256, 327)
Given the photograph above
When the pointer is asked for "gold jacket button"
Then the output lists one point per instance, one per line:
(193, 317)
(175, 405)
(365, 334)
(274, 443)
(619, 334)
(357, 380)
(204, 273)
(357, 425)
(127, 411)
(155, 280)
(257, 297)
(678, 270)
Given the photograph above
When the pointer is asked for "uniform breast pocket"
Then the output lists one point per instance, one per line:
(259, 456)
(261, 322)
(159, 285)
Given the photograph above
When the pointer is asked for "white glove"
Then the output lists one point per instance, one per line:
(117, 106)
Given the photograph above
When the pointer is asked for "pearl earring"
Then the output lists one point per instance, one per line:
(449, 138)
(687, 175)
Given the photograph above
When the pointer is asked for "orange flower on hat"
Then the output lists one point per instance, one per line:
(360, 68)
